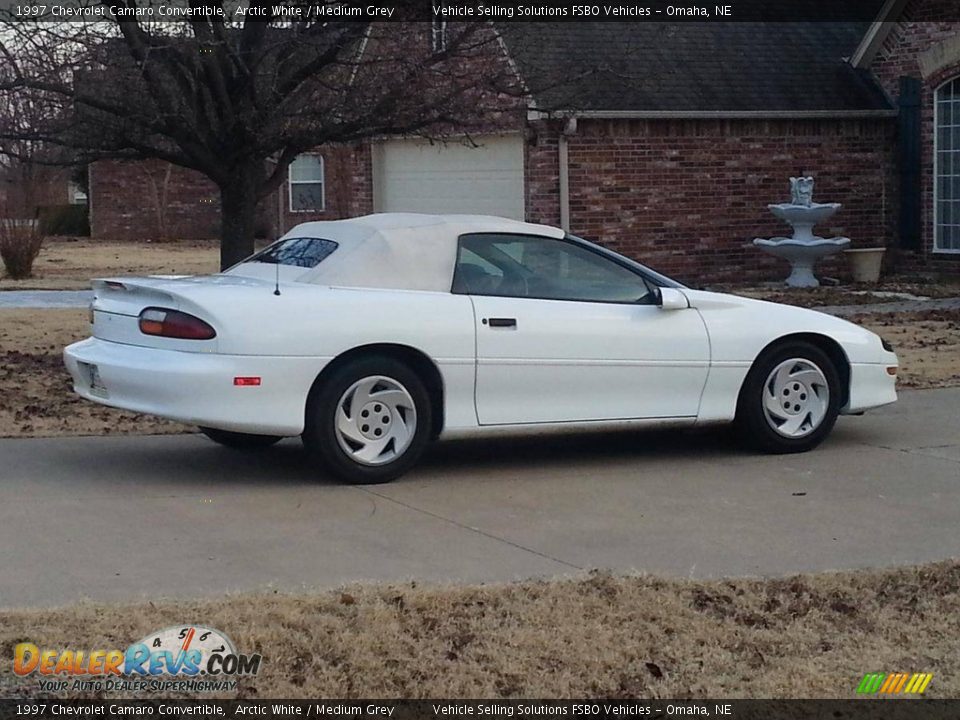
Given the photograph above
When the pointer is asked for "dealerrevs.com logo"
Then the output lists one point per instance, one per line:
(188, 658)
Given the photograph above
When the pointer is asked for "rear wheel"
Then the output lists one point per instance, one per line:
(790, 399)
(240, 441)
(369, 421)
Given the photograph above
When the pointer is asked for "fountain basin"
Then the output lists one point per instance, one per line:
(802, 255)
(810, 215)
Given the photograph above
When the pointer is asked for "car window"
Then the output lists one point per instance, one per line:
(538, 267)
(299, 252)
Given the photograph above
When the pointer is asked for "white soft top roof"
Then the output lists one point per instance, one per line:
(403, 251)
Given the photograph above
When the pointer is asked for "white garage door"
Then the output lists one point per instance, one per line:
(415, 176)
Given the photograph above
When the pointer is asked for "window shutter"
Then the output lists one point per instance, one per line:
(909, 135)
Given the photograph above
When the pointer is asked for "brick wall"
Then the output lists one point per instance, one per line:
(688, 196)
(153, 200)
(684, 196)
(542, 174)
(919, 29)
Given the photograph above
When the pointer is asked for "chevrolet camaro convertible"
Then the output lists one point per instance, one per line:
(371, 337)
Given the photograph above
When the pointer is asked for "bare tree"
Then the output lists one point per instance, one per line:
(237, 99)
(28, 178)
(158, 185)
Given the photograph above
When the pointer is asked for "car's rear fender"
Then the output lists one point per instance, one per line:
(418, 361)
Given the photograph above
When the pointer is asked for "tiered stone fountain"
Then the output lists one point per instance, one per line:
(803, 249)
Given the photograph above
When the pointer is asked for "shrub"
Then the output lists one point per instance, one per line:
(72, 220)
(20, 243)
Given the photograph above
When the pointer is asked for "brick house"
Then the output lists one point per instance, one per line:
(670, 152)
(913, 50)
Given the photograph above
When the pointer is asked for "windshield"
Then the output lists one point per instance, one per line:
(298, 252)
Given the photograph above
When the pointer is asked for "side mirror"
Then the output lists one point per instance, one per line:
(671, 299)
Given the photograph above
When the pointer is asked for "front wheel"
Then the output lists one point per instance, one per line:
(369, 421)
(790, 399)
(240, 441)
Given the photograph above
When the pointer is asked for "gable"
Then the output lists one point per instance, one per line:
(925, 34)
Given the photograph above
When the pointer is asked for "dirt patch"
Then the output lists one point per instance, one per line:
(596, 637)
(892, 290)
(927, 344)
(71, 264)
(36, 395)
(922, 287)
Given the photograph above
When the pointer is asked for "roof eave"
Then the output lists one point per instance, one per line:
(877, 33)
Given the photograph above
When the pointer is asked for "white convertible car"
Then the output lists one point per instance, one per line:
(373, 336)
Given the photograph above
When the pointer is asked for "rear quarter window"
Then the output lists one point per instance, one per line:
(297, 252)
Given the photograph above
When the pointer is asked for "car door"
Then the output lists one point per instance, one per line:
(567, 334)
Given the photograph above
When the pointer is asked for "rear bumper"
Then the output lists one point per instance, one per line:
(870, 386)
(196, 388)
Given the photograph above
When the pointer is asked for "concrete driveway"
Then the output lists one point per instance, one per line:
(129, 517)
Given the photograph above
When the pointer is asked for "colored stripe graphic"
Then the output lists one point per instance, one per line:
(894, 683)
(870, 683)
(915, 681)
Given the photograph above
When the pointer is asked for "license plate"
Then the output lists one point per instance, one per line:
(93, 379)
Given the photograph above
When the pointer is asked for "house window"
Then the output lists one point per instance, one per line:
(946, 206)
(438, 35)
(306, 183)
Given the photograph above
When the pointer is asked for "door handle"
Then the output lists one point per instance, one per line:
(502, 322)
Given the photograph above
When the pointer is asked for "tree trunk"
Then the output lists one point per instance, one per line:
(238, 212)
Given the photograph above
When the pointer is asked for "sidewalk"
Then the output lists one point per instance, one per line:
(901, 306)
(45, 298)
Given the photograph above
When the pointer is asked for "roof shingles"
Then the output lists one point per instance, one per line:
(689, 67)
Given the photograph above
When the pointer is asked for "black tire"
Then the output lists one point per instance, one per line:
(752, 425)
(240, 441)
(320, 436)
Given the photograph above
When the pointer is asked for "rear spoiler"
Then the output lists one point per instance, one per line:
(128, 296)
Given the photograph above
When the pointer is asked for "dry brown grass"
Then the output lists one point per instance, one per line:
(71, 264)
(36, 396)
(927, 344)
(599, 636)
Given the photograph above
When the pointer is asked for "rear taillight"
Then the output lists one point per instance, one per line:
(174, 324)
